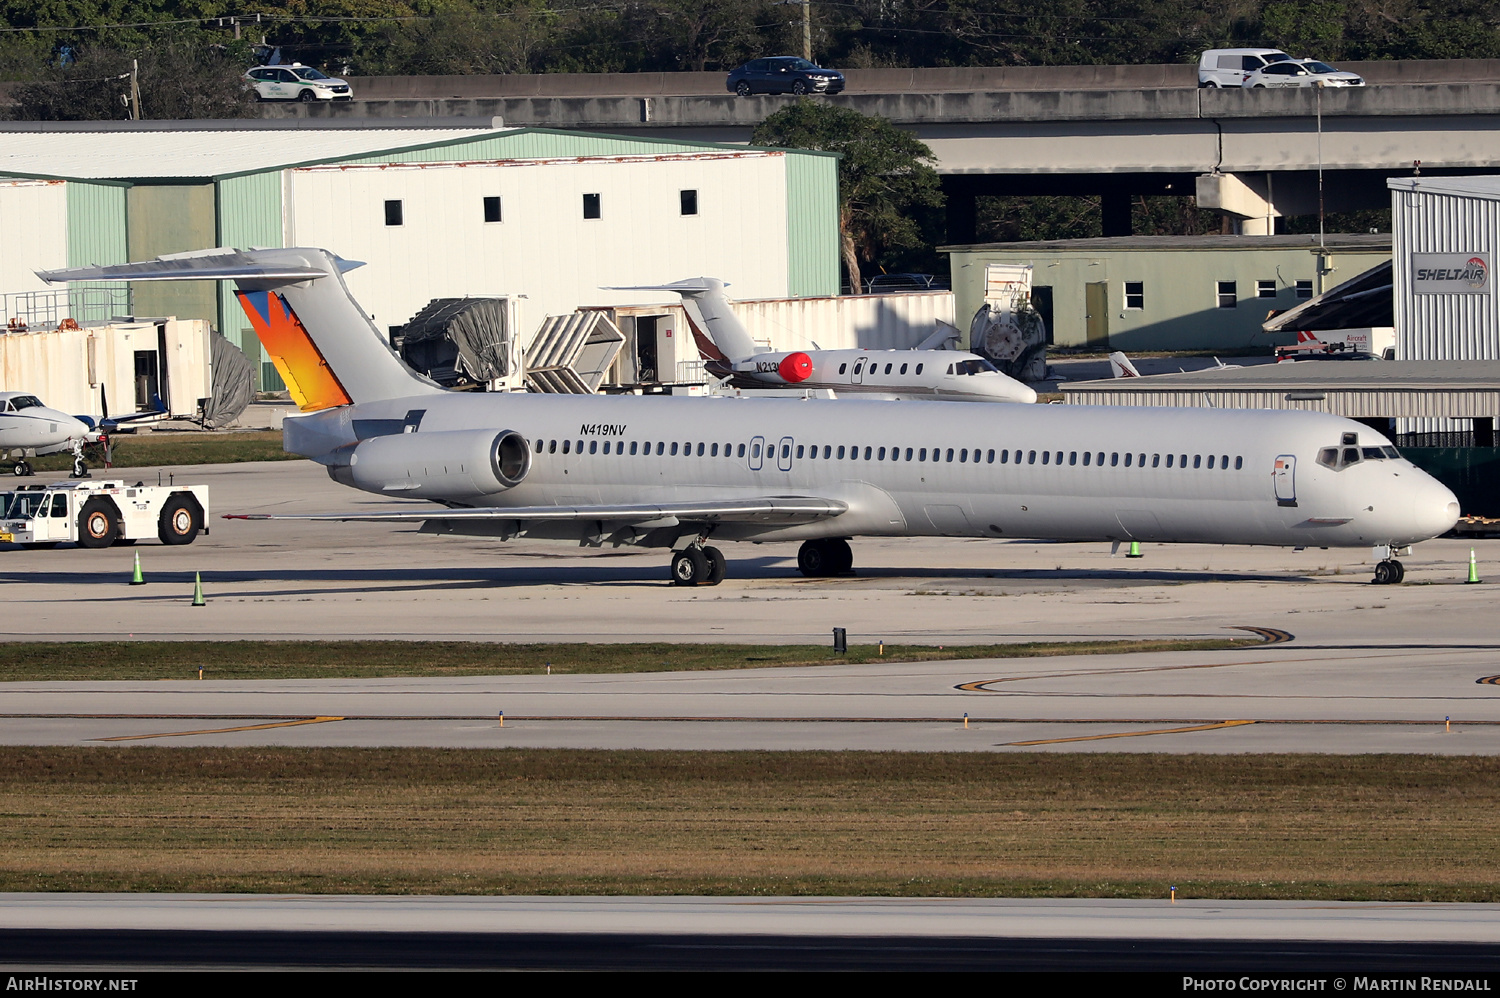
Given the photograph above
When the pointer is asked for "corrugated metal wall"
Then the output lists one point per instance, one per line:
(96, 229)
(249, 214)
(812, 225)
(33, 219)
(1442, 326)
(869, 322)
(172, 218)
(544, 247)
(1414, 404)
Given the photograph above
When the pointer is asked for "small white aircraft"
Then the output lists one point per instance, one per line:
(920, 373)
(29, 428)
(674, 472)
(1120, 366)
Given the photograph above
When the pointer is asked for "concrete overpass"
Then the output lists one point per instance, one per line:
(1253, 154)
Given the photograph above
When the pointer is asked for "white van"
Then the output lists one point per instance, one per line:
(1227, 67)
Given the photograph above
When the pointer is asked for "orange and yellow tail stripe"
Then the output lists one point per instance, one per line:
(299, 361)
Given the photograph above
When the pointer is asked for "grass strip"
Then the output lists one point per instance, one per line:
(162, 450)
(97, 660)
(501, 821)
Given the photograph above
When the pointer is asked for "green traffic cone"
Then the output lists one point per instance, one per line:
(137, 579)
(1473, 569)
(1135, 550)
(198, 599)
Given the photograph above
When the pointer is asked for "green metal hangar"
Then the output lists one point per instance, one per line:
(1166, 292)
(436, 210)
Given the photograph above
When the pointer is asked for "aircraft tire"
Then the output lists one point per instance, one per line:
(718, 566)
(179, 522)
(824, 557)
(98, 524)
(1400, 571)
(22, 469)
(689, 567)
(843, 556)
(1389, 573)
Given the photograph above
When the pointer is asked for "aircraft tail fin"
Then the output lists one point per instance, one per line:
(1121, 367)
(707, 308)
(323, 344)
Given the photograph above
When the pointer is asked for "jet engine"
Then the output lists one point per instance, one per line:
(790, 368)
(456, 464)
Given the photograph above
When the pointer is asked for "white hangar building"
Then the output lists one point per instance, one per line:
(435, 209)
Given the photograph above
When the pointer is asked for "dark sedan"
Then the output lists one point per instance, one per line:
(783, 74)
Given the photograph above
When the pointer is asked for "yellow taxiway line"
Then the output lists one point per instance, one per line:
(219, 731)
(1134, 734)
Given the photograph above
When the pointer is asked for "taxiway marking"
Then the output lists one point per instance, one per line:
(1132, 734)
(218, 731)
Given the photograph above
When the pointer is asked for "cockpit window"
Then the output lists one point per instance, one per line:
(25, 402)
(975, 366)
(1339, 458)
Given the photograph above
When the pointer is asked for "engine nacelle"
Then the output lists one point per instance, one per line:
(455, 464)
(790, 368)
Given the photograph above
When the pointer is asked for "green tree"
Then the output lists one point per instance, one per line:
(177, 79)
(884, 175)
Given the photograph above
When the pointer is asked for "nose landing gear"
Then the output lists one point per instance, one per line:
(1389, 573)
(699, 566)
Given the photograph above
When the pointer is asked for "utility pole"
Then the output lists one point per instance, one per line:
(807, 30)
(135, 90)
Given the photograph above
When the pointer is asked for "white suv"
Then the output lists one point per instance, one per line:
(296, 82)
(1227, 67)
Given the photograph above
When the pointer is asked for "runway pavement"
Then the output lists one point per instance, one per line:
(115, 931)
(1364, 668)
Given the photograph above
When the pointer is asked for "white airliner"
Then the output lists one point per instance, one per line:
(677, 472)
(950, 375)
(28, 427)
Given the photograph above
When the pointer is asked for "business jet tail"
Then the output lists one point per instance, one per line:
(1121, 367)
(324, 345)
(707, 308)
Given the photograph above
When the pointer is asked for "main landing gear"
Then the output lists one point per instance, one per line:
(1389, 573)
(824, 557)
(699, 566)
(22, 469)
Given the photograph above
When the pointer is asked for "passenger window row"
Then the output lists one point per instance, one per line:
(946, 455)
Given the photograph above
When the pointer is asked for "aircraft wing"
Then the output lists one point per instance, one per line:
(768, 509)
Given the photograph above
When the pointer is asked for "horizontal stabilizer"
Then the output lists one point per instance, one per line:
(206, 265)
(773, 509)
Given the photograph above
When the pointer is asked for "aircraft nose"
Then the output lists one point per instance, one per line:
(1022, 393)
(1434, 508)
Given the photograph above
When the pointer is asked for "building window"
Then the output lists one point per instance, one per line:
(393, 213)
(1265, 289)
(591, 206)
(1229, 295)
(492, 209)
(1304, 289)
(689, 202)
(1135, 294)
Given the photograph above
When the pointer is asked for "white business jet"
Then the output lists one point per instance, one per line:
(29, 428)
(921, 373)
(678, 472)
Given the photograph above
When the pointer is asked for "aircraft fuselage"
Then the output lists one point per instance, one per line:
(1059, 472)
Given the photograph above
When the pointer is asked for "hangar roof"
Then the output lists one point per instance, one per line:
(109, 154)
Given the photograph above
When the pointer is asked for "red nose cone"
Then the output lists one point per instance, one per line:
(795, 367)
